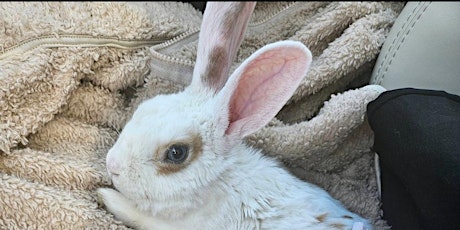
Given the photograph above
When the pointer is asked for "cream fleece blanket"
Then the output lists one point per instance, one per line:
(72, 73)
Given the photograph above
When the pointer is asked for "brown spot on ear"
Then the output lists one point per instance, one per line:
(216, 72)
(347, 217)
(321, 217)
(338, 226)
(220, 57)
(195, 144)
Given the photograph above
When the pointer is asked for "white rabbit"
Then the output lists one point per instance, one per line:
(181, 163)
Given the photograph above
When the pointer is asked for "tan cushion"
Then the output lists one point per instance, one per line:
(422, 49)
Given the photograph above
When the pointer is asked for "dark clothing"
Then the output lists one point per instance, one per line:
(417, 138)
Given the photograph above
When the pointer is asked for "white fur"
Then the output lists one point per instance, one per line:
(228, 185)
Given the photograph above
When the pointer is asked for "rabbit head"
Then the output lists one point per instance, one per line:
(176, 146)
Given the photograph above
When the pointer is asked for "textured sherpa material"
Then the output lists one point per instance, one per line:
(72, 73)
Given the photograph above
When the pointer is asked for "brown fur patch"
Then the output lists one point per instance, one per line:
(228, 33)
(195, 144)
(214, 76)
(321, 217)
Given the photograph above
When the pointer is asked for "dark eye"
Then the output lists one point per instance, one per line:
(177, 153)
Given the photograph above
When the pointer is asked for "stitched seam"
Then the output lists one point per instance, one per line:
(380, 77)
(384, 62)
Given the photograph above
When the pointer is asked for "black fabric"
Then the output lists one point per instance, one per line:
(417, 138)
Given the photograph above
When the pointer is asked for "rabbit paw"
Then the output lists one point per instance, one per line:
(122, 208)
(125, 211)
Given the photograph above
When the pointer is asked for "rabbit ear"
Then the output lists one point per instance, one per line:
(222, 30)
(262, 84)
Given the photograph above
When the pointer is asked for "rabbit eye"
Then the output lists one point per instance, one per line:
(177, 153)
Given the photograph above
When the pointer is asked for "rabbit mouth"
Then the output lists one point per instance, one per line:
(112, 174)
(114, 177)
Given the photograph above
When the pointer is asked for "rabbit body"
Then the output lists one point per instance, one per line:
(181, 162)
(227, 185)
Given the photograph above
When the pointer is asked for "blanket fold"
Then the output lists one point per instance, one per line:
(72, 74)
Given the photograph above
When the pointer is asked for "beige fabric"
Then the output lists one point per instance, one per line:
(71, 74)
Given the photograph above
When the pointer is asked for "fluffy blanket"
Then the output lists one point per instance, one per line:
(72, 73)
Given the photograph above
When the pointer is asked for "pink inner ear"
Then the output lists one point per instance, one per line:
(252, 89)
(266, 84)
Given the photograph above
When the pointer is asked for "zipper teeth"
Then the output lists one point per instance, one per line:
(90, 41)
(272, 15)
(76, 40)
(175, 39)
(197, 30)
(171, 59)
